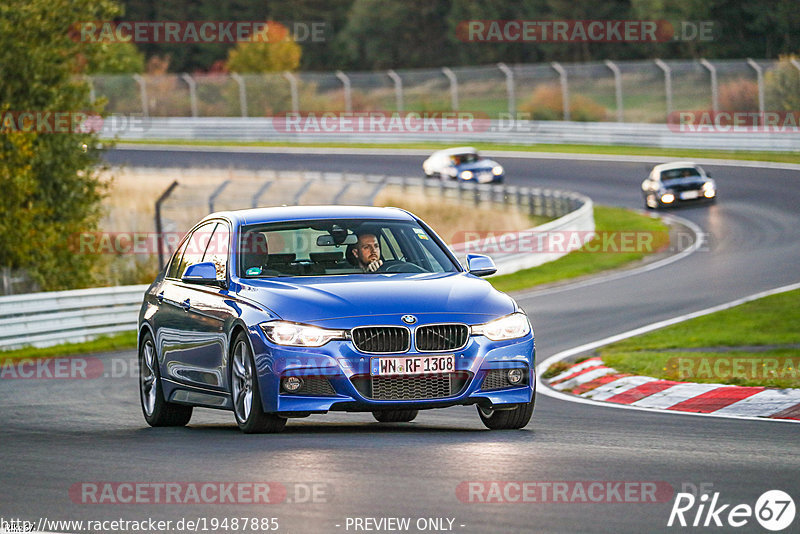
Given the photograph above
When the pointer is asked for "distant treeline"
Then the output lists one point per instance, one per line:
(384, 34)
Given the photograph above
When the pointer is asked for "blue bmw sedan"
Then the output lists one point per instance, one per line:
(276, 313)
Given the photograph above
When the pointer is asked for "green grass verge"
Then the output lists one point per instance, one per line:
(771, 322)
(667, 153)
(583, 262)
(123, 340)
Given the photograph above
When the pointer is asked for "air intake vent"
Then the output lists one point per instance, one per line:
(381, 339)
(441, 337)
(413, 387)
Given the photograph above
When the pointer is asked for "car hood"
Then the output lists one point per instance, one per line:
(320, 298)
(479, 165)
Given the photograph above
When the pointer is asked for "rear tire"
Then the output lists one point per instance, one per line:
(155, 408)
(395, 416)
(246, 393)
(516, 418)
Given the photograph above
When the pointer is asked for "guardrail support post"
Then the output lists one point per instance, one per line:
(760, 77)
(260, 192)
(159, 226)
(617, 88)
(667, 85)
(348, 97)
(453, 87)
(510, 89)
(562, 73)
(714, 87)
(242, 92)
(142, 93)
(215, 194)
(192, 92)
(292, 79)
(398, 89)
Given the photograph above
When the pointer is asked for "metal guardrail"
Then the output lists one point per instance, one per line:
(52, 317)
(519, 132)
(49, 318)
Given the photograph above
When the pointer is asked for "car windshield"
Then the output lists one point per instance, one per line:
(339, 247)
(677, 174)
(460, 159)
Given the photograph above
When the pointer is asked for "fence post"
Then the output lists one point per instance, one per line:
(260, 192)
(760, 77)
(192, 92)
(215, 194)
(92, 95)
(159, 226)
(453, 87)
(667, 85)
(714, 88)
(562, 73)
(796, 64)
(142, 93)
(398, 89)
(292, 79)
(617, 88)
(510, 89)
(242, 92)
(348, 97)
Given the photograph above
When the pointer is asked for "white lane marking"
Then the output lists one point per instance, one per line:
(767, 402)
(288, 149)
(621, 385)
(677, 393)
(544, 389)
(699, 240)
(582, 378)
(591, 362)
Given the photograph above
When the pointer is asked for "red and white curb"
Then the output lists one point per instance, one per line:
(591, 379)
(591, 382)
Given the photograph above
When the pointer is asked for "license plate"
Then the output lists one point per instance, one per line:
(413, 365)
(485, 177)
(688, 195)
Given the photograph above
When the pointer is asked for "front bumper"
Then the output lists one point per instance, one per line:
(345, 374)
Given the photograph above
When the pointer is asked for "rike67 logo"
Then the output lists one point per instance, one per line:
(774, 510)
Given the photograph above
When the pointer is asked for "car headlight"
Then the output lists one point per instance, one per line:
(708, 186)
(508, 327)
(466, 175)
(497, 170)
(667, 198)
(299, 335)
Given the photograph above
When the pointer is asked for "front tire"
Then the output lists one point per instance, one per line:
(515, 418)
(395, 416)
(246, 393)
(155, 408)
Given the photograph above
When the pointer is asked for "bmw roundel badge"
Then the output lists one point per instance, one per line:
(409, 319)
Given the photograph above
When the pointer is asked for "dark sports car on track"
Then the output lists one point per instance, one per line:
(670, 184)
(277, 313)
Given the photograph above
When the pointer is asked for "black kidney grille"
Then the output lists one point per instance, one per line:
(381, 339)
(441, 337)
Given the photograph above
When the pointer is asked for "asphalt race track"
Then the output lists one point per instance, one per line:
(57, 433)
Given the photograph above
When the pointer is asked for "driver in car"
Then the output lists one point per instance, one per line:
(367, 253)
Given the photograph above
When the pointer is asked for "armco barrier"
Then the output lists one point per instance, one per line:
(49, 318)
(503, 132)
(52, 317)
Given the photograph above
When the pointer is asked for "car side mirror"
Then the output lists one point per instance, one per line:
(202, 273)
(480, 265)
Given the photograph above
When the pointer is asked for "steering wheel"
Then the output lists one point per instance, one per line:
(399, 266)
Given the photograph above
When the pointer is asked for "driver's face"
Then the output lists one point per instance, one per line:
(368, 249)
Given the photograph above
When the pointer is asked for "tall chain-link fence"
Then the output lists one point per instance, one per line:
(623, 91)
